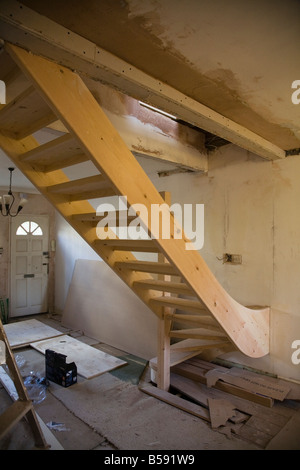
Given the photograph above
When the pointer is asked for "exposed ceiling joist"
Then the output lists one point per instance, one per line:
(22, 26)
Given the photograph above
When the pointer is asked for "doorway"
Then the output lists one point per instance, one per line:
(29, 265)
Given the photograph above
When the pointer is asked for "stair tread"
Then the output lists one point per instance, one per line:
(56, 154)
(167, 286)
(85, 188)
(147, 266)
(121, 218)
(197, 333)
(202, 321)
(130, 245)
(180, 352)
(26, 114)
(184, 304)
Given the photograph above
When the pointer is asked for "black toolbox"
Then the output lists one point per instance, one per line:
(58, 371)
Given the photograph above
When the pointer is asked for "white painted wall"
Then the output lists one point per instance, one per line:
(69, 247)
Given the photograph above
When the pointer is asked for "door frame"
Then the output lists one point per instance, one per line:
(38, 218)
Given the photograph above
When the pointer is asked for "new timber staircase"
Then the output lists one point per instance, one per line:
(179, 288)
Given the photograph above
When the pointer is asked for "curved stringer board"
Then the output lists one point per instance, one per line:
(180, 281)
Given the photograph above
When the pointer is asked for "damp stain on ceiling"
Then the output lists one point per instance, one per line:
(238, 58)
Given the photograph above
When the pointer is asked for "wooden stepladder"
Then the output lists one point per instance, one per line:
(23, 407)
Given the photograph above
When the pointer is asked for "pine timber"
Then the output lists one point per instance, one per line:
(56, 154)
(23, 406)
(25, 114)
(166, 286)
(90, 133)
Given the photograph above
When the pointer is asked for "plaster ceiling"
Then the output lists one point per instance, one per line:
(239, 58)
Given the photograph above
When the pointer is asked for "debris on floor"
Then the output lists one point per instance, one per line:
(252, 406)
(57, 426)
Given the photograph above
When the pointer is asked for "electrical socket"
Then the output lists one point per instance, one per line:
(232, 259)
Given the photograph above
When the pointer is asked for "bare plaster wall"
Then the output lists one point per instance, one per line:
(251, 208)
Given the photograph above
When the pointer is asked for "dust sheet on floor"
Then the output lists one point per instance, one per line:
(90, 362)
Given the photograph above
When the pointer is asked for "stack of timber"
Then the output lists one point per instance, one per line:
(235, 401)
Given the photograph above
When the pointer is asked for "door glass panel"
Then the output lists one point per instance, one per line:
(29, 227)
(21, 231)
(37, 231)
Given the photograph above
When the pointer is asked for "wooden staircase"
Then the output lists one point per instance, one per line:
(190, 304)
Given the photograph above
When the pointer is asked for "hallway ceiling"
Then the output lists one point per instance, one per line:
(238, 58)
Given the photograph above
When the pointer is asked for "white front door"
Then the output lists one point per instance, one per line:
(29, 265)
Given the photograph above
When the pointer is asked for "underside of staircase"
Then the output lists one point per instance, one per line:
(194, 312)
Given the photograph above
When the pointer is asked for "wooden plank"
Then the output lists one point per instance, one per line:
(254, 383)
(196, 374)
(146, 246)
(119, 219)
(203, 321)
(202, 347)
(25, 114)
(196, 333)
(13, 414)
(84, 188)
(146, 266)
(177, 354)
(58, 153)
(22, 333)
(165, 286)
(163, 353)
(178, 402)
(181, 304)
(11, 390)
(90, 362)
(199, 392)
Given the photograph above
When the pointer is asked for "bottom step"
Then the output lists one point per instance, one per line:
(183, 350)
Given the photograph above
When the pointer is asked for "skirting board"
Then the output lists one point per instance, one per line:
(101, 305)
(90, 362)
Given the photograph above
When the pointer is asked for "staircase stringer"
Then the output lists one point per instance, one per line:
(74, 105)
